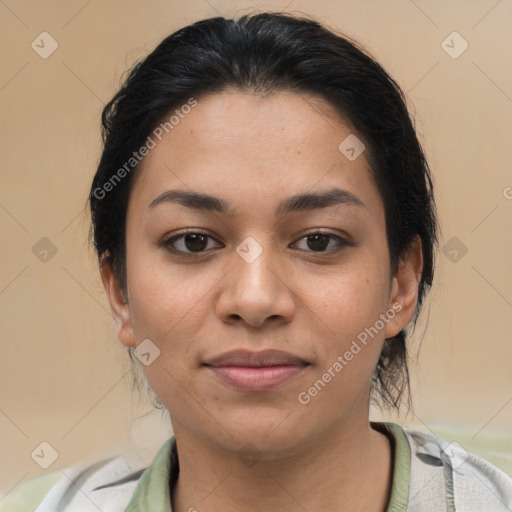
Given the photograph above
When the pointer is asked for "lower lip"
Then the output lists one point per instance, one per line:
(256, 378)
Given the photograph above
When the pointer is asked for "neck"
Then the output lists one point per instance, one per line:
(349, 469)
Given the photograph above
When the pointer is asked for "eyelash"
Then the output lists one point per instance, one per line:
(168, 243)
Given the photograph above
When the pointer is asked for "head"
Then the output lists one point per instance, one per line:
(318, 238)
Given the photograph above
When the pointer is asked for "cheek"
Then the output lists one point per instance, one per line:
(163, 297)
(168, 305)
(353, 300)
(350, 304)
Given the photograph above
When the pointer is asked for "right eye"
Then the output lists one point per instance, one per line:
(188, 243)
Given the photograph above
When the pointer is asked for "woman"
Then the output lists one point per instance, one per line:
(265, 225)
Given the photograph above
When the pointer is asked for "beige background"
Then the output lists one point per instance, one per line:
(64, 377)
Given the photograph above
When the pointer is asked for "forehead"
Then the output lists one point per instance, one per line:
(242, 146)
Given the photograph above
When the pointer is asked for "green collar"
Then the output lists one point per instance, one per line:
(401, 465)
(152, 492)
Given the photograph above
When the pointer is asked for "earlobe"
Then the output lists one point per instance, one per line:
(404, 288)
(118, 304)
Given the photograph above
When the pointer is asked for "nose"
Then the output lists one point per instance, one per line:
(258, 289)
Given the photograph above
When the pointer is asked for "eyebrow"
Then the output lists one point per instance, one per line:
(300, 202)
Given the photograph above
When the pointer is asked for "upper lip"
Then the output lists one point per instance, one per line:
(270, 357)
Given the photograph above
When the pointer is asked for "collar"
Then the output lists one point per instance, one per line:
(152, 493)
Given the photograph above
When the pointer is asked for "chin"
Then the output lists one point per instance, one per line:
(271, 430)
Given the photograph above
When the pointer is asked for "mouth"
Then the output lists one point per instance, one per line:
(249, 371)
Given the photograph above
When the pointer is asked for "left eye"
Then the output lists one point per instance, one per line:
(318, 242)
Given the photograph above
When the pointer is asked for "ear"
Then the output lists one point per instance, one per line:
(404, 288)
(118, 303)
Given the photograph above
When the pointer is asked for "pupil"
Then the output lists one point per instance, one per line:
(195, 241)
(316, 245)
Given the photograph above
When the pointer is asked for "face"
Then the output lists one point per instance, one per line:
(255, 270)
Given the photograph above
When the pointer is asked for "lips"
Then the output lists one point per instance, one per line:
(256, 371)
(254, 359)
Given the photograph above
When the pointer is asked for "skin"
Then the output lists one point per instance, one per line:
(253, 152)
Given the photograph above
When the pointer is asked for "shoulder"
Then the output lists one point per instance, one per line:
(26, 496)
(446, 472)
(105, 485)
